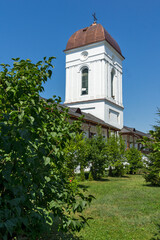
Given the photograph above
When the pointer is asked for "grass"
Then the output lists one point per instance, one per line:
(125, 208)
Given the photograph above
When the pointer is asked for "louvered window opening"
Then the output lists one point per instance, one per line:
(85, 81)
(112, 86)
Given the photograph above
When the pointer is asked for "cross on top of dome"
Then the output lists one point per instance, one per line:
(94, 17)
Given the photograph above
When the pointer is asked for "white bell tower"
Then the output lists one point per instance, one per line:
(94, 74)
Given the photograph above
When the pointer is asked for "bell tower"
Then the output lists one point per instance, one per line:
(94, 74)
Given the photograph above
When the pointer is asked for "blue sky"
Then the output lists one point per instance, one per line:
(35, 28)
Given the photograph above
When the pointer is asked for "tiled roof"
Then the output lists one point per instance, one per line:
(133, 131)
(87, 117)
(90, 118)
(92, 34)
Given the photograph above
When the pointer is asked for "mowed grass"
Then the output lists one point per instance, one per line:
(124, 208)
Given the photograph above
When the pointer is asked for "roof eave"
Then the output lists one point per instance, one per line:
(120, 54)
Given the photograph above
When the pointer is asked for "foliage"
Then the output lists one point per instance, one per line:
(97, 153)
(82, 174)
(134, 158)
(75, 154)
(115, 149)
(96, 157)
(152, 174)
(90, 177)
(34, 188)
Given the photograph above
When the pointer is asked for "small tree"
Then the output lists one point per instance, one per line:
(134, 158)
(75, 154)
(115, 148)
(34, 188)
(152, 174)
(96, 157)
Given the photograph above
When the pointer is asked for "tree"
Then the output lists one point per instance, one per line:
(96, 157)
(75, 154)
(134, 158)
(34, 189)
(152, 173)
(115, 149)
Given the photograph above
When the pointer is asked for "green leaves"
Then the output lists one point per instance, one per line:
(21, 115)
(96, 156)
(152, 145)
(47, 179)
(134, 158)
(46, 160)
(10, 224)
(49, 73)
(34, 186)
(15, 59)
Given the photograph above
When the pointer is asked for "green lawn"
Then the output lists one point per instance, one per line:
(125, 208)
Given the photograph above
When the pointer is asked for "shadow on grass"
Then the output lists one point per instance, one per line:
(56, 234)
(157, 235)
(102, 180)
(126, 176)
(105, 179)
(150, 185)
(119, 177)
(62, 236)
(83, 186)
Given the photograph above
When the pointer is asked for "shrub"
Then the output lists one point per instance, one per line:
(34, 188)
(118, 171)
(82, 174)
(152, 171)
(114, 151)
(134, 158)
(90, 177)
(95, 155)
(75, 154)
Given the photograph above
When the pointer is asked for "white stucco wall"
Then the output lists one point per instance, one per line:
(94, 107)
(100, 61)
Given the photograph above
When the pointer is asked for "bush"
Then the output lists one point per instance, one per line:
(114, 151)
(82, 174)
(118, 171)
(90, 177)
(95, 155)
(152, 171)
(152, 176)
(134, 158)
(75, 154)
(34, 188)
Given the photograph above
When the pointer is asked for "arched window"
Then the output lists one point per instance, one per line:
(112, 83)
(85, 81)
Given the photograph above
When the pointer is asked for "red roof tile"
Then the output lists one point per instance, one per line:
(94, 33)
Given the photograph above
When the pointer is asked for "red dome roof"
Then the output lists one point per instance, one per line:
(94, 33)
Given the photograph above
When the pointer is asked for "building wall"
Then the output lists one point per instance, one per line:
(132, 141)
(103, 109)
(90, 130)
(100, 59)
(93, 107)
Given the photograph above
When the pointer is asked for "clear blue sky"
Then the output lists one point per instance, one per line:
(35, 28)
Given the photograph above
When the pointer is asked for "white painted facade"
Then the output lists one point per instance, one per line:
(100, 59)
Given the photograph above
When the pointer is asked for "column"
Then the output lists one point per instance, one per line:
(67, 85)
(109, 80)
(128, 142)
(106, 79)
(121, 100)
(102, 78)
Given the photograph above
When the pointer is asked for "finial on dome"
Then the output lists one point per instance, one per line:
(94, 17)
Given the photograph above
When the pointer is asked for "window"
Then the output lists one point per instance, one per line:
(112, 84)
(85, 81)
